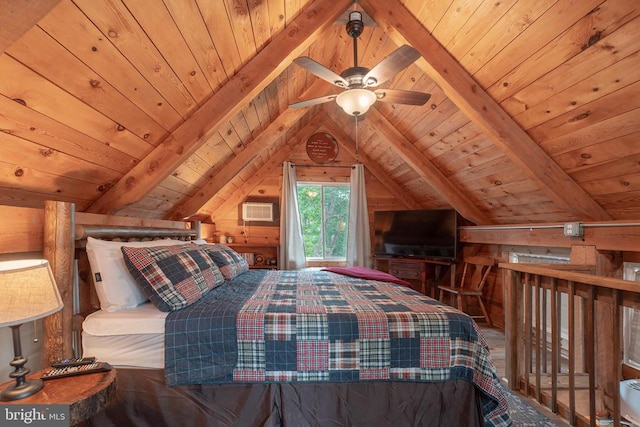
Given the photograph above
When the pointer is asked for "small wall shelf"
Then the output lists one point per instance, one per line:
(264, 255)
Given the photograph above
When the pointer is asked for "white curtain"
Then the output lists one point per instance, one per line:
(359, 239)
(291, 245)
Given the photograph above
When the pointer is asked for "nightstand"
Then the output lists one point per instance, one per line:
(86, 395)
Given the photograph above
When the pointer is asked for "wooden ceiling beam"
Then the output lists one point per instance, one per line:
(403, 196)
(425, 168)
(242, 159)
(222, 106)
(19, 16)
(402, 27)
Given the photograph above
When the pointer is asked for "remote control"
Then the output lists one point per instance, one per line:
(74, 362)
(69, 371)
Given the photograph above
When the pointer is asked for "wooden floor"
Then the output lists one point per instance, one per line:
(495, 339)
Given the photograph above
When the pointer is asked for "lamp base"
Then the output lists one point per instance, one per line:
(22, 387)
(20, 391)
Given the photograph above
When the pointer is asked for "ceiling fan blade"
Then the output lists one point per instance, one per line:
(321, 71)
(314, 101)
(399, 96)
(397, 61)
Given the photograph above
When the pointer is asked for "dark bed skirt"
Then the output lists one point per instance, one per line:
(144, 400)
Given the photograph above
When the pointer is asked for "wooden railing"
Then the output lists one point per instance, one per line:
(564, 338)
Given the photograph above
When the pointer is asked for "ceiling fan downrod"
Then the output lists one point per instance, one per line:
(354, 30)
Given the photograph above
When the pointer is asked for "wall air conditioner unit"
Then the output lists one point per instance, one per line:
(254, 211)
(630, 401)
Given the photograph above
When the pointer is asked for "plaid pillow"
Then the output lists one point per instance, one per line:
(230, 262)
(173, 276)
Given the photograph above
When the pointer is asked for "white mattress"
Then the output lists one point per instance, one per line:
(133, 337)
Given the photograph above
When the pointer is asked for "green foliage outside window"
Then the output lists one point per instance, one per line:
(324, 218)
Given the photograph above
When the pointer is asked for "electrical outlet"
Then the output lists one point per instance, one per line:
(572, 229)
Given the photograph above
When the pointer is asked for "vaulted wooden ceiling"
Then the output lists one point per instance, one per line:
(171, 108)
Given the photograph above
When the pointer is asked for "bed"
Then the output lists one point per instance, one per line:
(293, 348)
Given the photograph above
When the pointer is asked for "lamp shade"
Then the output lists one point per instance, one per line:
(356, 101)
(28, 291)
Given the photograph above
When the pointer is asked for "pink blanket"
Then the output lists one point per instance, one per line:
(367, 273)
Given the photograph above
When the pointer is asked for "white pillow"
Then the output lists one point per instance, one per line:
(115, 286)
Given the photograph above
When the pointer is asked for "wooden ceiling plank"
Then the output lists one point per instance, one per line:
(455, 18)
(263, 171)
(615, 127)
(20, 83)
(218, 24)
(121, 29)
(48, 58)
(568, 49)
(604, 108)
(402, 194)
(156, 21)
(32, 199)
(192, 27)
(276, 16)
(605, 82)
(470, 154)
(242, 158)
(19, 16)
(225, 103)
(618, 184)
(597, 57)
(177, 184)
(214, 150)
(37, 181)
(260, 21)
(477, 26)
(483, 110)
(622, 169)
(426, 169)
(20, 153)
(447, 136)
(238, 14)
(599, 153)
(512, 188)
(521, 16)
(430, 11)
(34, 126)
(73, 30)
(560, 16)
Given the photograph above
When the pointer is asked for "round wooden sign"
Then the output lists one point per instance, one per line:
(322, 148)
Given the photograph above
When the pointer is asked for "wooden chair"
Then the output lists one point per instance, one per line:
(474, 276)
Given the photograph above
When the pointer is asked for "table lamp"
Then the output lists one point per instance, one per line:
(28, 292)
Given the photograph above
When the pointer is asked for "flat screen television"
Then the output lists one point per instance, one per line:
(423, 233)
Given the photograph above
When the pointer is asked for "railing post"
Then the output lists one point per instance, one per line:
(512, 282)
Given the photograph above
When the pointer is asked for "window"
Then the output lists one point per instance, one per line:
(324, 218)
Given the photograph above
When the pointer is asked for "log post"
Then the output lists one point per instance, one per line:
(58, 249)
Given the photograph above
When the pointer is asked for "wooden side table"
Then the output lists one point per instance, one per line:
(86, 395)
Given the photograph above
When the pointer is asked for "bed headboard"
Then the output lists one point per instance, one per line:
(64, 240)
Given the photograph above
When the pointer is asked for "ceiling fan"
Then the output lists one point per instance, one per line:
(357, 98)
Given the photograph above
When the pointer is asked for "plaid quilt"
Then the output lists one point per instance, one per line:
(310, 325)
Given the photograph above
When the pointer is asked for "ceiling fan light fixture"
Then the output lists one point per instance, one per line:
(356, 102)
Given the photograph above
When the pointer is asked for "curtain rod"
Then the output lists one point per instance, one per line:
(322, 166)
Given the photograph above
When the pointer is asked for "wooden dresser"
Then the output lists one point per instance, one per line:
(424, 274)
